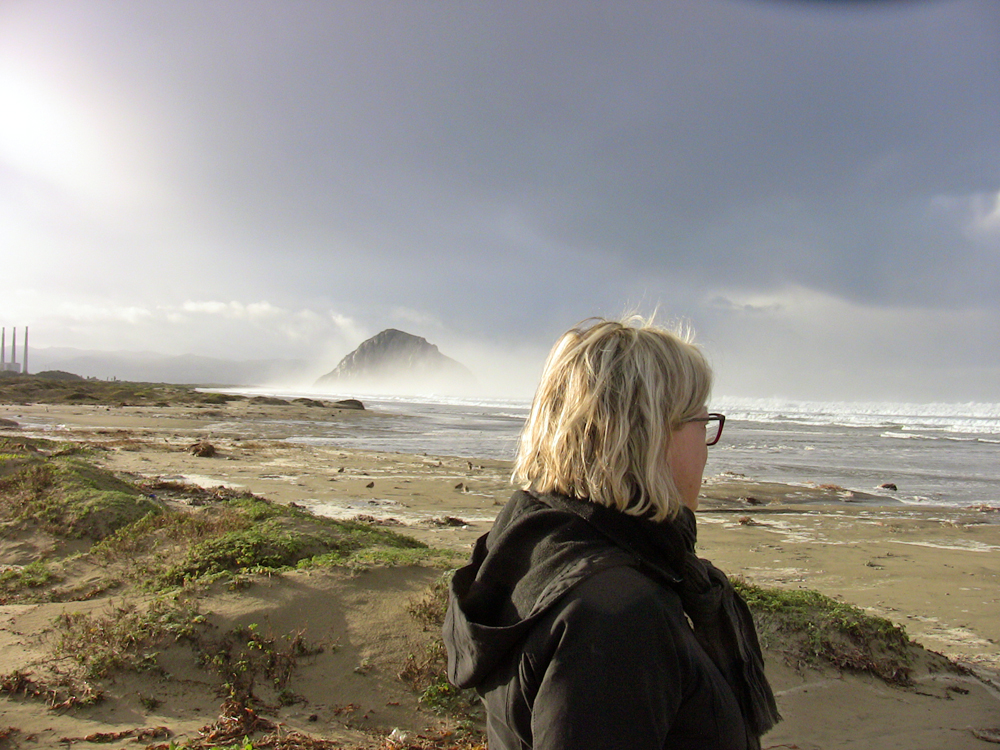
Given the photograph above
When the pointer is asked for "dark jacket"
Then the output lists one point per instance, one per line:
(569, 623)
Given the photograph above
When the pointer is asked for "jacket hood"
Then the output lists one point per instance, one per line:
(540, 546)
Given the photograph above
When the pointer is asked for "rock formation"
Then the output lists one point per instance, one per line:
(400, 362)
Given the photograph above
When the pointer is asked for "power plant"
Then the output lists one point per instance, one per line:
(13, 365)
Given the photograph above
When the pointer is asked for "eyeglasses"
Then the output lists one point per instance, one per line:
(713, 426)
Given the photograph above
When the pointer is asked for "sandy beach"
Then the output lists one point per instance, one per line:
(935, 571)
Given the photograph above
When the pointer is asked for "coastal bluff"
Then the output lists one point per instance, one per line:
(398, 360)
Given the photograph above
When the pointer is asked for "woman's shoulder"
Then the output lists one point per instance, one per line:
(623, 597)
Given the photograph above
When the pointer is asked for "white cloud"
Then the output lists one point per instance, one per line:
(236, 310)
(986, 214)
(759, 304)
(211, 308)
(90, 313)
(262, 311)
(977, 214)
(305, 326)
(231, 330)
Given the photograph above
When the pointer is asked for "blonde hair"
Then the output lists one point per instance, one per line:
(610, 395)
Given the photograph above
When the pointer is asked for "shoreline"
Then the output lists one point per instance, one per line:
(934, 570)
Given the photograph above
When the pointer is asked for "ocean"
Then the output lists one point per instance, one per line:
(935, 454)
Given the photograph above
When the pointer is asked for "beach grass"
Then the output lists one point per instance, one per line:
(157, 536)
(63, 493)
(156, 545)
(126, 636)
(809, 628)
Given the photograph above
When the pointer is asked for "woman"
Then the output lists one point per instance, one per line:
(584, 618)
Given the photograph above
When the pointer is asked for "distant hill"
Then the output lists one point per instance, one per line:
(399, 362)
(150, 367)
(58, 375)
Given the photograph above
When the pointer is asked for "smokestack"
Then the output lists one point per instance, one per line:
(3, 350)
(24, 364)
(13, 351)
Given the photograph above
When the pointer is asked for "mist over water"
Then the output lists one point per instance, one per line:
(488, 371)
(938, 454)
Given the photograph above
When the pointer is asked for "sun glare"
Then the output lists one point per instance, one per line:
(60, 137)
(40, 133)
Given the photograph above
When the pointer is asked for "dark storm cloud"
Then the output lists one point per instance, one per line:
(743, 142)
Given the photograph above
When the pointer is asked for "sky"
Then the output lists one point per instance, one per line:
(812, 186)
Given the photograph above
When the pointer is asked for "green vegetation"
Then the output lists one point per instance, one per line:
(367, 556)
(240, 534)
(162, 535)
(126, 637)
(426, 672)
(171, 540)
(129, 637)
(20, 448)
(58, 375)
(65, 389)
(289, 540)
(16, 582)
(244, 655)
(810, 628)
(64, 494)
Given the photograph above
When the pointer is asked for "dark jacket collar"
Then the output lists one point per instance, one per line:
(659, 546)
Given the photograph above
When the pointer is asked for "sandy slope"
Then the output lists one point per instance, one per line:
(935, 572)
